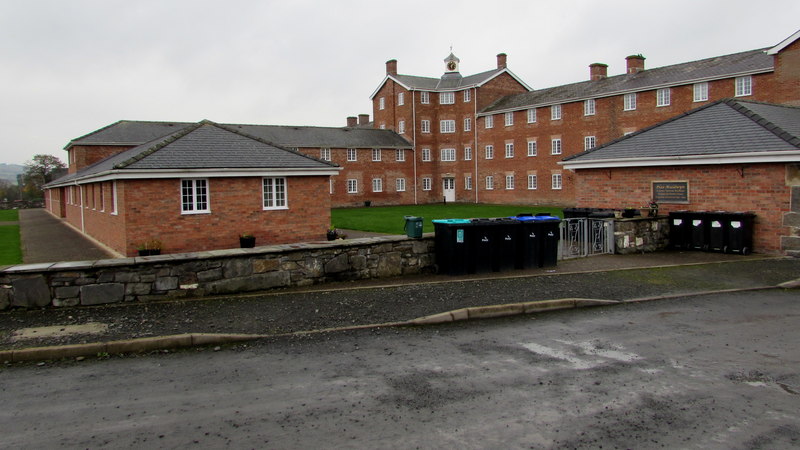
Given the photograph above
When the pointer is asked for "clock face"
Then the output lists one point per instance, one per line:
(451, 65)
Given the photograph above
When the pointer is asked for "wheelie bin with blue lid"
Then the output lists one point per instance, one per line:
(452, 246)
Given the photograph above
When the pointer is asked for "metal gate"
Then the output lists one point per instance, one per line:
(586, 237)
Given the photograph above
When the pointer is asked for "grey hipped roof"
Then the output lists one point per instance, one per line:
(204, 145)
(127, 132)
(726, 127)
(749, 62)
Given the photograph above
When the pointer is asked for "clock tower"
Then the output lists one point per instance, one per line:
(451, 63)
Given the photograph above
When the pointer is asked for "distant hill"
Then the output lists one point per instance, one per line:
(10, 171)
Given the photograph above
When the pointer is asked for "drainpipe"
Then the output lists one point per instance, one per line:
(414, 140)
(80, 192)
(475, 145)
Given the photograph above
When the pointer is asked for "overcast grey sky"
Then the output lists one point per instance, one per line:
(70, 67)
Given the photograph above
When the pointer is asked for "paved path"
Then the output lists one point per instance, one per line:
(46, 238)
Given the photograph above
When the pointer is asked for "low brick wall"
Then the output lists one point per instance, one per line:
(641, 234)
(212, 272)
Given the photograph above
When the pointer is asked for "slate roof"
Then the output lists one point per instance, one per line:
(447, 81)
(749, 62)
(204, 145)
(127, 132)
(725, 127)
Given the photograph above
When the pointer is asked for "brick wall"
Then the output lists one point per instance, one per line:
(80, 156)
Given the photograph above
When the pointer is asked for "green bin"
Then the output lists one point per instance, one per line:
(413, 226)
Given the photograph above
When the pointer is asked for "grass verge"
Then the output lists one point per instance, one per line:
(10, 250)
(9, 215)
(390, 219)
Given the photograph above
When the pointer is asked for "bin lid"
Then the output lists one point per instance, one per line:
(524, 218)
(412, 218)
(539, 218)
(451, 221)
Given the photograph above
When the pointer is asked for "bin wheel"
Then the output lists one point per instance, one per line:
(725, 249)
(745, 251)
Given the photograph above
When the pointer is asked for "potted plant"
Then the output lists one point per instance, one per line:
(247, 240)
(331, 234)
(629, 212)
(149, 247)
(652, 209)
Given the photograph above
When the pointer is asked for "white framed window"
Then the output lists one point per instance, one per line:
(488, 121)
(629, 101)
(531, 115)
(467, 123)
(508, 119)
(383, 126)
(401, 126)
(555, 147)
(330, 186)
(662, 97)
(467, 153)
(489, 183)
(377, 185)
(489, 152)
(532, 150)
(400, 184)
(325, 154)
(352, 155)
(589, 142)
(447, 98)
(424, 97)
(700, 92)
(555, 112)
(399, 155)
(376, 154)
(468, 182)
(533, 182)
(509, 149)
(401, 99)
(194, 196)
(274, 193)
(509, 182)
(352, 186)
(381, 103)
(448, 154)
(589, 107)
(556, 181)
(113, 198)
(426, 154)
(744, 86)
(425, 126)
(467, 96)
(426, 184)
(447, 126)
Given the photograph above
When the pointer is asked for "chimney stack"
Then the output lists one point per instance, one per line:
(501, 61)
(391, 67)
(598, 71)
(352, 121)
(635, 63)
(363, 119)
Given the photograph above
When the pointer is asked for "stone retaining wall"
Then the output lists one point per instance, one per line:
(212, 272)
(641, 234)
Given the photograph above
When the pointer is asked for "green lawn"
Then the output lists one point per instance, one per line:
(9, 215)
(390, 219)
(10, 251)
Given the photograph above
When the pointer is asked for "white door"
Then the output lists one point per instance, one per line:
(449, 189)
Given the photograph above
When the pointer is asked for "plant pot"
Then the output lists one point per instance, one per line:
(247, 241)
(629, 213)
(617, 214)
(331, 235)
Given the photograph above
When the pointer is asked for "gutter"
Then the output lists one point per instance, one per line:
(792, 156)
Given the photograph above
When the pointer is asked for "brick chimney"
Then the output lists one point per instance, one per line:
(363, 119)
(501, 61)
(635, 63)
(598, 71)
(391, 67)
(352, 121)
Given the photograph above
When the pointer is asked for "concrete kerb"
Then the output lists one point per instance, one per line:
(509, 309)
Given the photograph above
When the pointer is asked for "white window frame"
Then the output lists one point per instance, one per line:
(467, 96)
(426, 184)
(114, 210)
(555, 146)
(352, 186)
(509, 150)
(198, 198)
(700, 92)
(489, 183)
(556, 182)
(376, 155)
(508, 119)
(488, 121)
(325, 154)
(274, 193)
(531, 115)
(426, 154)
(589, 142)
(744, 86)
(533, 182)
(447, 98)
(401, 98)
(400, 185)
(381, 103)
(662, 97)
(488, 152)
(629, 101)
(467, 124)
(589, 107)
(425, 126)
(447, 126)
(401, 126)
(533, 149)
(509, 182)
(425, 97)
(467, 153)
(468, 183)
(377, 185)
(448, 154)
(352, 154)
(555, 112)
(400, 155)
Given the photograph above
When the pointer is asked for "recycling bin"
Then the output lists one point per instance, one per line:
(504, 252)
(697, 230)
(413, 226)
(739, 232)
(716, 231)
(453, 248)
(529, 247)
(550, 235)
(481, 240)
(679, 229)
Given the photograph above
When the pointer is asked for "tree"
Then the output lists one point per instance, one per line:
(39, 171)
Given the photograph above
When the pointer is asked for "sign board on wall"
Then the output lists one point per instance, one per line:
(671, 191)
